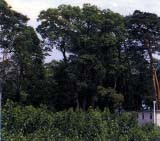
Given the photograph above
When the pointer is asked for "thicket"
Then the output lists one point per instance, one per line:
(38, 124)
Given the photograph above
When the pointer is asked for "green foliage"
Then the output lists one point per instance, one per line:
(109, 98)
(29, 123)
(104, 65)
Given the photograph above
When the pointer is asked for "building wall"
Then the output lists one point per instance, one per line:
(147, 117)
(158, 118)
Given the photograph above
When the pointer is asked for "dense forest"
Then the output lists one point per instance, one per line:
(105, 69)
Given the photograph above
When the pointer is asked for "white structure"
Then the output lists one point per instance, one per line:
(148, 117)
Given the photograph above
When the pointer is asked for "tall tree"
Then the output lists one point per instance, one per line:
(94, 39)
(143, 41)
(21, 51)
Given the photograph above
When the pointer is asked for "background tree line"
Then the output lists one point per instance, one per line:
(105, 58)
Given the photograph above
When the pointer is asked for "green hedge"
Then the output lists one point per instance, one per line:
(38, 124)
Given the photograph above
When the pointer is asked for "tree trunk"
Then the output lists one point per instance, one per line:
(93, 101)
(63, 50)
(84, 103)
(64, 57)
(154, 75)
(17, 97)
(77, 101)
(115, 83)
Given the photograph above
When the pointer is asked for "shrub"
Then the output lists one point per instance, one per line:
(38, 124)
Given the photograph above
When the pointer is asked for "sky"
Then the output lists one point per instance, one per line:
(32, 8)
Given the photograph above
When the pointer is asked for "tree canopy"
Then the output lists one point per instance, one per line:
(105, 63)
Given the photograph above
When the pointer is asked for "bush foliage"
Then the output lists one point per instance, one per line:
(38, 124)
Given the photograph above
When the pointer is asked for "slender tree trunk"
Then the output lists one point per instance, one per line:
(64, 56)
(115, 83)
(63, 50)
(154, 75)
(127, 80)
(84, 103)
(18, 85)
(77, 102)
(93, 101)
